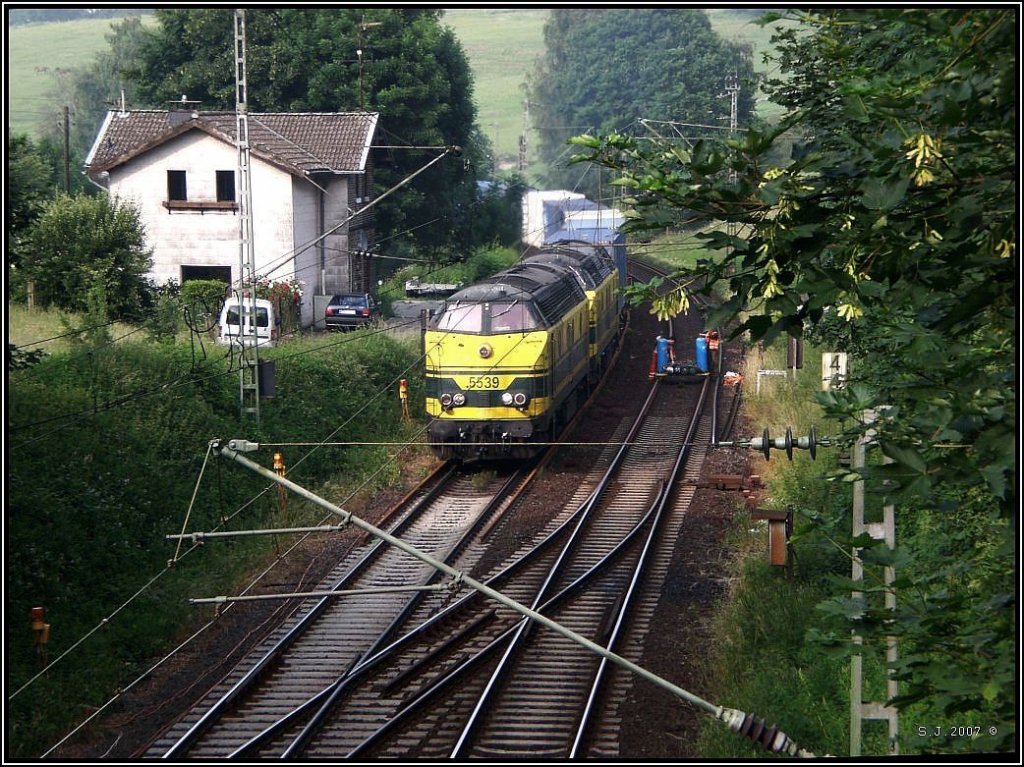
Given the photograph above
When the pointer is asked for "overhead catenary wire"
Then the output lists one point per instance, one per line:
(315, 447)
(202, 629)
(87, 351)
(386, 389)
(733, 718)
(224, 521)
(118, 402)
(105, 620)
(79, 331)
(273, 266)
(139, 394)
(318, 444)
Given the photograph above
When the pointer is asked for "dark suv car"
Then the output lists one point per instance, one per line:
(350, 310)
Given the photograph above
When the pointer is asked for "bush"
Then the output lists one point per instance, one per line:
(105, 454)
(165, 319)
(81, 238)
(202, 300)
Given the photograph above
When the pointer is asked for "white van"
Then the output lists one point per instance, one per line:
(236, 325)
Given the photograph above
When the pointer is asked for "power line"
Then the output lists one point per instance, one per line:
(69, 333)
(316, 446)
(239, 510)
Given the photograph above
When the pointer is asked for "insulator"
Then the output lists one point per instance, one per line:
(765, 443)
(769, 738)
(787, 443)
(809, 443)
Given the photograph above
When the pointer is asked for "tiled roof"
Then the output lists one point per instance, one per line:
(301, 143)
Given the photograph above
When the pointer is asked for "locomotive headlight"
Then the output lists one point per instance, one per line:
(459, 399)
(485, 351)
(519, 399)
(446, 400)
(506, 399)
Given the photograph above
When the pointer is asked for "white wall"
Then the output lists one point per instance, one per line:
(207, 237)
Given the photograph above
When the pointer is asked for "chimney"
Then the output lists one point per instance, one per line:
(182, 111)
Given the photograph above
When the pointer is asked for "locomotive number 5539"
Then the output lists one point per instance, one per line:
(484, 382)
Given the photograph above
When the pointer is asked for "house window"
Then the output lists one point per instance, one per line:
(176, 185)
(222, 273)
(225, 186)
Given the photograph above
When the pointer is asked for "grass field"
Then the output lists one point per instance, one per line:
(39, 59)
(502, 45)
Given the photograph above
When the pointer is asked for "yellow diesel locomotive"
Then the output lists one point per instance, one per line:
(511, 358)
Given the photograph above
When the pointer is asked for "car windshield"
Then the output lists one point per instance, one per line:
(502, 317)
(262, 316)
(349, 300)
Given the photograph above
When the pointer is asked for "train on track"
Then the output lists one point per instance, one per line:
(510, 358)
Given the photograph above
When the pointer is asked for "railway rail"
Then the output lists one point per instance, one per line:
(356, 676)
(327, 634)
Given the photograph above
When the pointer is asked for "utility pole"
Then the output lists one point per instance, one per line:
(67, 150)
(363, 26)
(885, 530)
(732, 88)
(249, 383)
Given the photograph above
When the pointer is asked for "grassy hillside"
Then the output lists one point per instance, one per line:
(39, 58)
(502, 45)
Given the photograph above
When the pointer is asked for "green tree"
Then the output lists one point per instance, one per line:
(603, 70)
(88, 92)
(893, 230)
(80, 241)
(412, 71)
(28, 189)
(497, 214)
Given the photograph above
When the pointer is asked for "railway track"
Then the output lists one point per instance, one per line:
(434, 654)
(528, 702)
(327, 635)
(358, 676)
(548, 693)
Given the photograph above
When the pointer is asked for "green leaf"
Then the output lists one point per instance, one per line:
(883, 555)
(904, 455)
(995, 477)
(853, 107)
(990, 691)
(883, 193)
(846, 607)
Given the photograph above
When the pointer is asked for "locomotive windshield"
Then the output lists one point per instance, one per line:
(497, 317)
(468, 318)
(510, 317)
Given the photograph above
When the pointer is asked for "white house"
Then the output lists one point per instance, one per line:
(310, 176)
